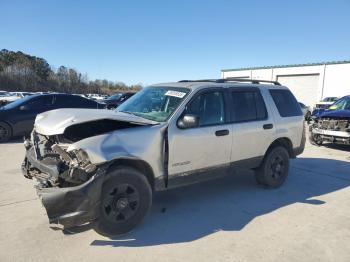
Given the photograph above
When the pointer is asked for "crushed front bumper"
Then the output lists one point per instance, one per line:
(67, 206)
(339, 137)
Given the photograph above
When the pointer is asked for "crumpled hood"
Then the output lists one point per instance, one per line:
(335, 113)
(56, 121)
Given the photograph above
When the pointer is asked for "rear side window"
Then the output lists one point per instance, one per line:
(248, 106)
(286, 103)
(71, 101)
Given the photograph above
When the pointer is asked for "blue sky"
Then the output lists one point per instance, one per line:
(156, 41)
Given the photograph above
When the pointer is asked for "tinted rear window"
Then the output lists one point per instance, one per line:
(285, 102)
(248, 106)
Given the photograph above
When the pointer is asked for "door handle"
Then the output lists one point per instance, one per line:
(223, 132)
(268, 126)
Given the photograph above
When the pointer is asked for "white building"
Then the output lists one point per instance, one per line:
(308, 82)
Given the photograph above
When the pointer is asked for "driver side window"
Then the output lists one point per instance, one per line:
(209, 107)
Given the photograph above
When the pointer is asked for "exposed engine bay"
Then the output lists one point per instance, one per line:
(53, 166)
(62, 169)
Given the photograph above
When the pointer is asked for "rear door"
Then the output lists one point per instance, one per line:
(252, 126)
(209, 144)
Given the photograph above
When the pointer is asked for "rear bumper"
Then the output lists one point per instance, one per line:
(300, 149)
(68, 206)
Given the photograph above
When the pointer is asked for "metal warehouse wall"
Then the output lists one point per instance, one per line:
(309, 83)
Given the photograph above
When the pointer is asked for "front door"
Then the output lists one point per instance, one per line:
(206, 146)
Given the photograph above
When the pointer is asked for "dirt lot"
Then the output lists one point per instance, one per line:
(231, 219)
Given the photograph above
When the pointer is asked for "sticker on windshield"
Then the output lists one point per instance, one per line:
(175, 93)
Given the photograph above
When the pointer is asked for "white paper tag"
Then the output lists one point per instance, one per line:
(175, 93)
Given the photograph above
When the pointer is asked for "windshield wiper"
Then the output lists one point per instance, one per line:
(128, 112)
(132, 113)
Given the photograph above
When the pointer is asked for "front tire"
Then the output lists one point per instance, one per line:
(125, 200)
(315, 139)
(274, 169)
(308, 116)
(5, 132)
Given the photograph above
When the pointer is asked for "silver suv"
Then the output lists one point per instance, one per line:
(103, 166)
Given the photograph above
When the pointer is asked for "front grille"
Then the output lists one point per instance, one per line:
(333, 124)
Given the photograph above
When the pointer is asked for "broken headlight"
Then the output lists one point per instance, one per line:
(82, 161)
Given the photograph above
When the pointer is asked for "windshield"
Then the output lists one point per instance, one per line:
(17, 103)
(341, 104)
(115, 96)
(154, 103)
(329, 99)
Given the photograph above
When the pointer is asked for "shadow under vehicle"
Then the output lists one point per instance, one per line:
(186, 214)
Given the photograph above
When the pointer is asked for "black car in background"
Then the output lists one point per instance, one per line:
(17, 118)
(117, 99)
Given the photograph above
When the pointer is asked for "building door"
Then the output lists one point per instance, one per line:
(304, 87)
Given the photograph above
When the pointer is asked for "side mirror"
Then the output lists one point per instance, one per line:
(188, 121)
(24, 108)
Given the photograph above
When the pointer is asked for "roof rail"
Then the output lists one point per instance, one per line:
(200, 80)
(253, 81)
(233, 79)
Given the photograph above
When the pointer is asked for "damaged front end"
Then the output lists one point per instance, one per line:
(69, 154)
(330, 128)
(69, 184)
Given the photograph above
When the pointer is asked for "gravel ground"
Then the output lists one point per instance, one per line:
(230, 219)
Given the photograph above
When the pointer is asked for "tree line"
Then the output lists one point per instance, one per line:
(23, 72)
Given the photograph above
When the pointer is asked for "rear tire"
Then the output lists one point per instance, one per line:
(5, 132)
(126, 198)
(274, 169)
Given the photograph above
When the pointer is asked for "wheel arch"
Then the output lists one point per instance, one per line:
(284, 142)
(9, 124)
(139, 165)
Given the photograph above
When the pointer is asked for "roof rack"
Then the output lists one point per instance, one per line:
(233, 79)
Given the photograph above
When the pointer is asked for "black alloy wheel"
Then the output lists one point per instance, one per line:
(274, 169)
(126, 198)
(122, 203)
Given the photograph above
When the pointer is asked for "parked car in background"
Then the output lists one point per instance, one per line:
(17, 118)
(323, 105)
(96, 97)
(9, 98)
(325, 102)
(105, 165)
(306, 111)
(117, 99)
(332, 124)
(22, 94)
